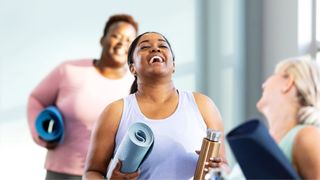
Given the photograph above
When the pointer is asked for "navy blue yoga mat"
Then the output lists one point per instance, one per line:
(49, 124)
(133, 149)
(258, 154)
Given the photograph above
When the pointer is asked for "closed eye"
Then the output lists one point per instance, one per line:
(144, 47)
(114, 35)
(163, 46)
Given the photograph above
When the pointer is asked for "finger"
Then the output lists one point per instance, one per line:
(212, 165)
(206, 170)
(51, 145)
(116, 169)
(118, 165)
(132, 175)
(215, 159)
(119, 175)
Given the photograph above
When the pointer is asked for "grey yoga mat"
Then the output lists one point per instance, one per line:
(133, 149)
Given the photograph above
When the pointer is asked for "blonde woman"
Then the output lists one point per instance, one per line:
(291, 104)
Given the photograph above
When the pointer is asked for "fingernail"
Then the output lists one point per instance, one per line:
(205, 169)
(211, 159)
(206, 163)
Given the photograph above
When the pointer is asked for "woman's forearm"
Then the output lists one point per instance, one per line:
(92, 175)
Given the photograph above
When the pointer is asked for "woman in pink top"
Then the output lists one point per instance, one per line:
(81, 89)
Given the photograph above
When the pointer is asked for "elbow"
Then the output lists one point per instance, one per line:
(92, 175)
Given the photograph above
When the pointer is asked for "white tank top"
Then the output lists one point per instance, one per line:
(175, 138)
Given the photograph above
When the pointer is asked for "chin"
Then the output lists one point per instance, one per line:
(120, 60)
(259, 106)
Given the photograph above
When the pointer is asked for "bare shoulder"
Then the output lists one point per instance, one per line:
(200, 96)
(111, 114)
(208, 110)
(308, 136)
(115, 107)
(306, 152)
(202, 100)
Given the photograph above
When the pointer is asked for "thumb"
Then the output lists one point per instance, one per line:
(118, 165)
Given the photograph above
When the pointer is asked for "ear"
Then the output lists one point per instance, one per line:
(289, 84)
(132, 69)
(101, 41)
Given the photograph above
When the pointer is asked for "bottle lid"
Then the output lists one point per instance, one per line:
(213, 135)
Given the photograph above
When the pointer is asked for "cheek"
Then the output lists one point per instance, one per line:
(137, 63)
(111, 42)
(106, 45)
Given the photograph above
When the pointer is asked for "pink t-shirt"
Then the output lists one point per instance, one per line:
(81, 93)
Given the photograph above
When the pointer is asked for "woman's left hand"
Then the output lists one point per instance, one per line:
(216, 162)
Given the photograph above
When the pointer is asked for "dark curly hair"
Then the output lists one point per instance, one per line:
(120, 18)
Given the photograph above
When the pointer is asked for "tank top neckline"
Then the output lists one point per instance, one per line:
(138, 110)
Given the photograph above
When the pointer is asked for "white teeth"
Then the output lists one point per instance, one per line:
(120, 51)
(156, 59)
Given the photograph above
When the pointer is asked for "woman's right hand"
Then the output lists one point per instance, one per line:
(49, 145)
(116, 174)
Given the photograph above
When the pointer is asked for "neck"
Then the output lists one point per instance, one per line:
(282, 123)
(109, 71)
(156, 92)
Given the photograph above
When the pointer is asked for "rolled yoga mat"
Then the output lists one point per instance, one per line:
(258, 154)
(49, 124)
(133, 149)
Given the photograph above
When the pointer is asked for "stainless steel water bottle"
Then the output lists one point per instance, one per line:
(210, 148)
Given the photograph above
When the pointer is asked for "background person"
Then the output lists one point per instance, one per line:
(291, 104)
(81, 89)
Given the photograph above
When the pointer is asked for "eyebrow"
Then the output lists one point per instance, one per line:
(162, 40)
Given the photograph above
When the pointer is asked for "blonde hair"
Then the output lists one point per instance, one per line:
(306, 75)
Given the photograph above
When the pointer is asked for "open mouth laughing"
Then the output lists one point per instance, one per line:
(156, 59)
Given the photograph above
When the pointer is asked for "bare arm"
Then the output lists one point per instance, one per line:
(306, 153)
(103, 141)
(212, 118)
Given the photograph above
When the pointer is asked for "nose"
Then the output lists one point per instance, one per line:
(122, 40)
(155, 49)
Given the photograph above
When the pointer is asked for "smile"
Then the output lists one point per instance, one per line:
(156, 59)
